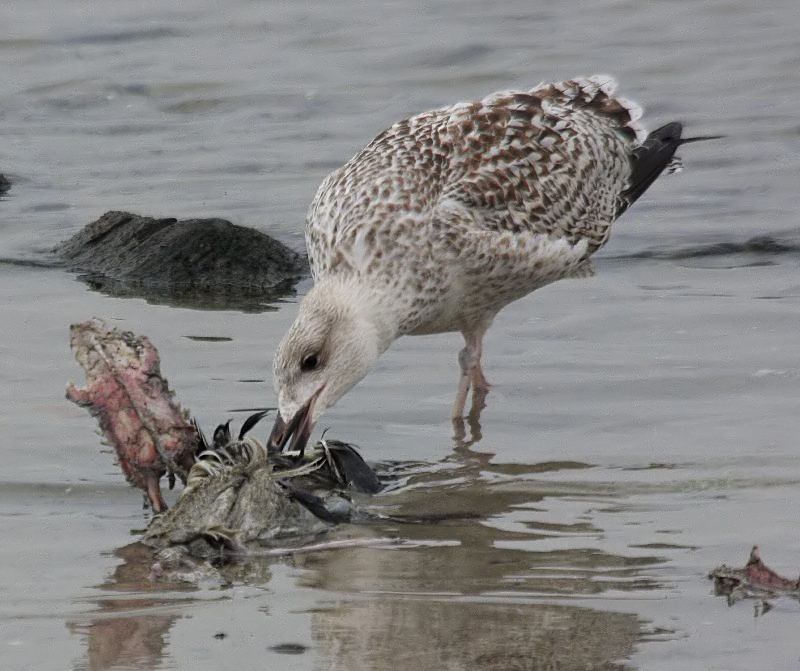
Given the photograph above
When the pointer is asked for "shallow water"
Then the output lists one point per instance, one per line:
(643, 423)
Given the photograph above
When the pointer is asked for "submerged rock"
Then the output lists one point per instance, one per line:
(238, 494)
(203, 262)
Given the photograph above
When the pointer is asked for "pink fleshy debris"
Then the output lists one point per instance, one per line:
(755, 580)
(758, 573)
(134, 405)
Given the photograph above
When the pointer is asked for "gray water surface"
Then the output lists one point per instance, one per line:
(643, 423)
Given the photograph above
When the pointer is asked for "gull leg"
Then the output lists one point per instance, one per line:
(461, 393)
(479, 392)
(480, 387)
(479, 380)
(469, 360)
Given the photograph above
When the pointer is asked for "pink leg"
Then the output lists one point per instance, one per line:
(469, 359)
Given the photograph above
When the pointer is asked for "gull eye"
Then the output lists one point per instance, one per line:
(309, 362)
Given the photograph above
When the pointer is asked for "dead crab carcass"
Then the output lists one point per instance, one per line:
(238, 494)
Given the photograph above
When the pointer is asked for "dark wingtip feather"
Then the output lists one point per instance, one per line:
(649, 160)
(700, 138)
(652, 157)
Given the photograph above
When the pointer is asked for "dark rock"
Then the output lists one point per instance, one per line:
(199, 262)
(5, 184)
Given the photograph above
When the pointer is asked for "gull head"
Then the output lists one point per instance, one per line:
(332, 344)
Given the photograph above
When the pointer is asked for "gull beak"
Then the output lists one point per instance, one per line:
(297, 430)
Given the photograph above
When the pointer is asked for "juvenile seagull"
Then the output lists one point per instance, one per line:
(447, 217)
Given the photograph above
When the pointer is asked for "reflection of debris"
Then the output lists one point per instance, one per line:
(129, 627)
(755, 581)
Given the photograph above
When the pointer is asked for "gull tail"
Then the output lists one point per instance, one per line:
(652, 157)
